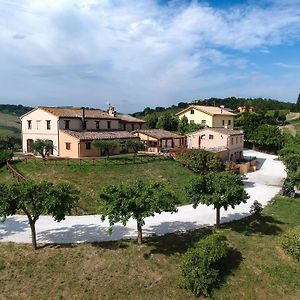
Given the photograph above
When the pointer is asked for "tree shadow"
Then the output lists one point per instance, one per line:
(178, 242)
(83, 234)
(12, 226)
(264, 225)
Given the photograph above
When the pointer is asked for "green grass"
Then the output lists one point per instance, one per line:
(89, 178)
(257, 267)
(281, 112)
(9, 124)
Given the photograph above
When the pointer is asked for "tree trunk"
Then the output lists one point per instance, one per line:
(140, 237)
(217, 217)
(33, 234)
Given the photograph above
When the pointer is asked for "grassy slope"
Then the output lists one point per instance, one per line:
(9, 124)
(90, 179)
(123, 270)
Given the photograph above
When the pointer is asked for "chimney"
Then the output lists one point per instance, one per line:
(83, 123)
(111, 111)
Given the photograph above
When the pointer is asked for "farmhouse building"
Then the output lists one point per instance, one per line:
(228, 143)
(209, 116)
(58, 124)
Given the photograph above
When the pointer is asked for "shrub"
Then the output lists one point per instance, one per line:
(200, 266)
(200, 161)
(292, 149)
(294, 178)
(290, 242)
(256, 208)
(292, 162)
(4, 156)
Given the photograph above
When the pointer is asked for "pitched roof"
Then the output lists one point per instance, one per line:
(159, 133)
(221, 130)
(99, 135)
(210, 110)
(90, 113)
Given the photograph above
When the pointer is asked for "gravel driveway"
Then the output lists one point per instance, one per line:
(261, 185)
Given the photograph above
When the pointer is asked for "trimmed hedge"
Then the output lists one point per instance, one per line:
(290, 242)
(201, 265)
(200, 161)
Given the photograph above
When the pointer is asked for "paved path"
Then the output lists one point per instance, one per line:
(261, 185)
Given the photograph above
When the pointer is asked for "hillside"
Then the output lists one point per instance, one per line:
(260, 104)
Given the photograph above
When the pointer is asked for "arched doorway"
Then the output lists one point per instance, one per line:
(29, 146)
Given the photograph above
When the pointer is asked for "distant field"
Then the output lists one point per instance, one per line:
(90, 179)
(281, 112)
(9, 124)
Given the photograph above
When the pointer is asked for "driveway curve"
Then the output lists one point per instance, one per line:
(261, 185)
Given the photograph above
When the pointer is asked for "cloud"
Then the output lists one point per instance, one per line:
(288, 66)
(18, 36)
(135, 51)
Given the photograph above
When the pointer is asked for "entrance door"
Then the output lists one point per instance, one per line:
(29, 146)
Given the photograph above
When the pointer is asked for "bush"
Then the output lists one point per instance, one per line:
(292, 149)
(256, 208)
(200, 266)
(290, 242)
(294, 178)
(4, 156)
(292, 162)
(200, 161)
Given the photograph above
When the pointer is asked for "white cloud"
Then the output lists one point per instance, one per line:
(134, 51)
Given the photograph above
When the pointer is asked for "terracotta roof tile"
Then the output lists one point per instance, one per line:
(211, 110)
(159, 133)
(99, 135)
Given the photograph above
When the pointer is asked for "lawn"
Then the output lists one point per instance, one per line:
(89, 178)
(257, 268)
(9, 124)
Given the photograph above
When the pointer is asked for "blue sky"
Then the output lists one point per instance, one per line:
(147, 53)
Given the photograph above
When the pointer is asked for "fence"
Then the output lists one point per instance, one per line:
(14, 173)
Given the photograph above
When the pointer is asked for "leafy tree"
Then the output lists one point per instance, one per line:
(298, 104)
(5, 156)
(35, 199)
(43, 147)
(167, 121)
(200, 161)
(151, 120)
(137, 200)
(135, 145)
(183, 125)
(268, 136)
(221, 189)
(10, 143)
(105, 145)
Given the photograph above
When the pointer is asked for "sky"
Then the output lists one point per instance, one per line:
(139, 53)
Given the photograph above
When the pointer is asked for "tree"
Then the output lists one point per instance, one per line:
(151, 120)
(43, 147)
(105, 145)
(268, 136)
(200, 161)
(10, 143)
(298, 104)
(221, 189)
(137, 200)
(135, 145)
(183, 125)
(167, 121)
(35, 199)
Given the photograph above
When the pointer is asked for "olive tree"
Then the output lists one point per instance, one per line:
(222, 189)
(43, 147)
(35, 199)
(137, 200)
(135, 145)
(105, 145)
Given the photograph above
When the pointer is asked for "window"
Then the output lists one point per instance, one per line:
(124, 126)
(48, 124)
(231, 141)
(132, 127)
(192, 121)
(108, 124)
(141, 126)
(192, 111)
(236, 140)
(241, 139)
(97, 125)
(202, 137)
(38, 122)
(229, 122)
(223, 122)
(88, 146)
(29, 123)
(210, 137)
(67, 124)
(203, 122)
(68, 146)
